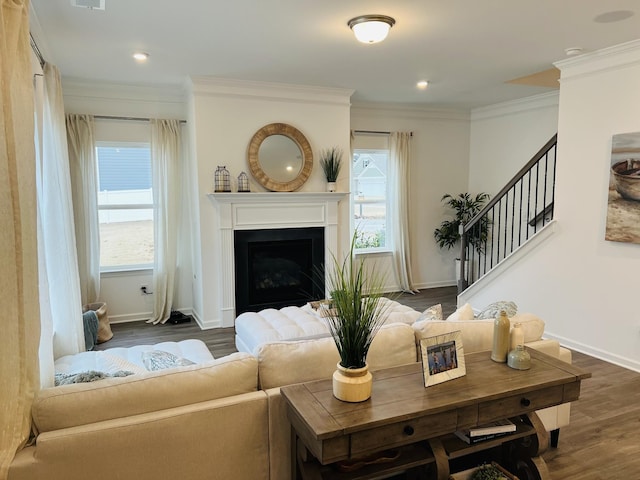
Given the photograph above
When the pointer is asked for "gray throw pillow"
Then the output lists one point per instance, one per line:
(493, 310)
(159, 360)
(88, 376)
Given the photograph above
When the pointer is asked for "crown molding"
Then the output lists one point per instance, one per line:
(606, 59)
(390, 110)
(534, 102)
(227, 87)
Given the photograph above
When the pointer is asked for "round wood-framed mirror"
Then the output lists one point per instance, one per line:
(280, 157)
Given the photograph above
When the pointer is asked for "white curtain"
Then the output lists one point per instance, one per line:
(56, 215)
(18, 246)
(399, 158)
(84, 192)
(166, 172)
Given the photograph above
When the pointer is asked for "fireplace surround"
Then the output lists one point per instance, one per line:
(265, 211)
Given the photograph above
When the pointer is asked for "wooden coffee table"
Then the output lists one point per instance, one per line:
(404, 419)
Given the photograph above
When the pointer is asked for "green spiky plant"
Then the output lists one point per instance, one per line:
(331, 163)
(465, 207)
(356, 312)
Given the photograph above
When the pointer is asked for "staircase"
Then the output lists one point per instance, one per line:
(512, 217)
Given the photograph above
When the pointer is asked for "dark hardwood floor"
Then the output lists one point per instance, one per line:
(600, 443)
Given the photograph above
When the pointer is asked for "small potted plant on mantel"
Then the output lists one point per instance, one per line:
(354, 315)
(331, 162)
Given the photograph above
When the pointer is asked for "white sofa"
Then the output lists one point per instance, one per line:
(217, 419)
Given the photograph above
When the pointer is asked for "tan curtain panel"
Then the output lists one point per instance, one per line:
(18, 252)
(84, 190)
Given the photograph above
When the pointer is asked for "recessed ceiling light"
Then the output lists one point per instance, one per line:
(141, 56)
(614, 16)
(422, 84)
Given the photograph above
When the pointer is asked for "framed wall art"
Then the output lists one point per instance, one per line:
(623, 202)
(442, 358)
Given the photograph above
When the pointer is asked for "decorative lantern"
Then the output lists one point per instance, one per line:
(222, 180)
(243, 182)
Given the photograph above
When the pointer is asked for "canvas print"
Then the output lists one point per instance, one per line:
(623, 206)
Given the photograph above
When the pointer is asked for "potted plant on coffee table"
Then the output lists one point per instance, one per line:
(331, 163)
(355, 315)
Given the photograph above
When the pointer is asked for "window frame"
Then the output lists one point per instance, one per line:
(128, 206)
(387, 248)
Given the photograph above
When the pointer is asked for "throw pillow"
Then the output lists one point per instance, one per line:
(465, 312)
(159, 360)
(434, 312)
(493, 310)
(88, 376)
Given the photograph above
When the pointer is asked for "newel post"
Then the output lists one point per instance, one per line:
(462, 278)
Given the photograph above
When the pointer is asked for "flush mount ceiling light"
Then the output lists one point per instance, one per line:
(371, 28)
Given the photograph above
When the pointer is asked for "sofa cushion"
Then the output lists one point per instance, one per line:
(477, 335)
(130, 358)
(84, 403)
(284, 363)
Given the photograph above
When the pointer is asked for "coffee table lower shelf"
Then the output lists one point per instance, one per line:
(415, 458)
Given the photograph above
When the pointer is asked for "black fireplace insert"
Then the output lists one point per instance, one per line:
(275, 268)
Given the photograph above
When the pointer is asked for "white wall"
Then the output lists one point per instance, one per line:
(506, 136)
(440, 155)
(121, 290)
(226, 114)
(583, 286)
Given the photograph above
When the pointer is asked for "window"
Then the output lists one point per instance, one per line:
(125, 206)
(370, 199)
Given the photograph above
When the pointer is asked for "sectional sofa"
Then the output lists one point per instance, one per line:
(216, 419)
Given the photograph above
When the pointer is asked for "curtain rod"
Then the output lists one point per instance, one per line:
(132, 119)
(36, 50)
(375, 132)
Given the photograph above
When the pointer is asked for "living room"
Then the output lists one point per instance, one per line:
(454, 149)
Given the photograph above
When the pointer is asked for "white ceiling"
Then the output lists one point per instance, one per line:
(466, 49)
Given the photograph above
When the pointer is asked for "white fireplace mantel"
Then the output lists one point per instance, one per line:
(254, 211)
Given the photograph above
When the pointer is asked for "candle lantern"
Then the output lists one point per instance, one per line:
(222, 180)
(243, 182)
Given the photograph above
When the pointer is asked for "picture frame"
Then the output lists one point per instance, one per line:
(442, 358)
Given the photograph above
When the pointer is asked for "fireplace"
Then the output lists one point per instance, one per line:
(275, 268)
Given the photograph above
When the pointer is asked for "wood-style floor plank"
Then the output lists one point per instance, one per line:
(600, 443)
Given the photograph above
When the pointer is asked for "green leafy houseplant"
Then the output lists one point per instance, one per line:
(331, 163)
(465, 207)
(356, 313)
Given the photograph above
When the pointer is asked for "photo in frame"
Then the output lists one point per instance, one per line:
(442, 358)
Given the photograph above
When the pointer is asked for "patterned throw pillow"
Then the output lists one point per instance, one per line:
(493, 310)
(159, 360)
(434, 312)
(88, 376)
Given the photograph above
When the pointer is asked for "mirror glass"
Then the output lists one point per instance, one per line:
(280, 157)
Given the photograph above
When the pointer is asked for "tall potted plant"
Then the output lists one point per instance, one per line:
(354, 316)
(465, 207)
(331, 163)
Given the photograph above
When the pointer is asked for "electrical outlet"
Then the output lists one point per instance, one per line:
(144, 290)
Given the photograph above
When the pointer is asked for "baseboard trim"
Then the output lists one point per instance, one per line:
(595, 352)
(141, 316)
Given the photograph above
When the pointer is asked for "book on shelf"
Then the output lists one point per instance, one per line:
(487, 431)
(464, 436)
(499, 426)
